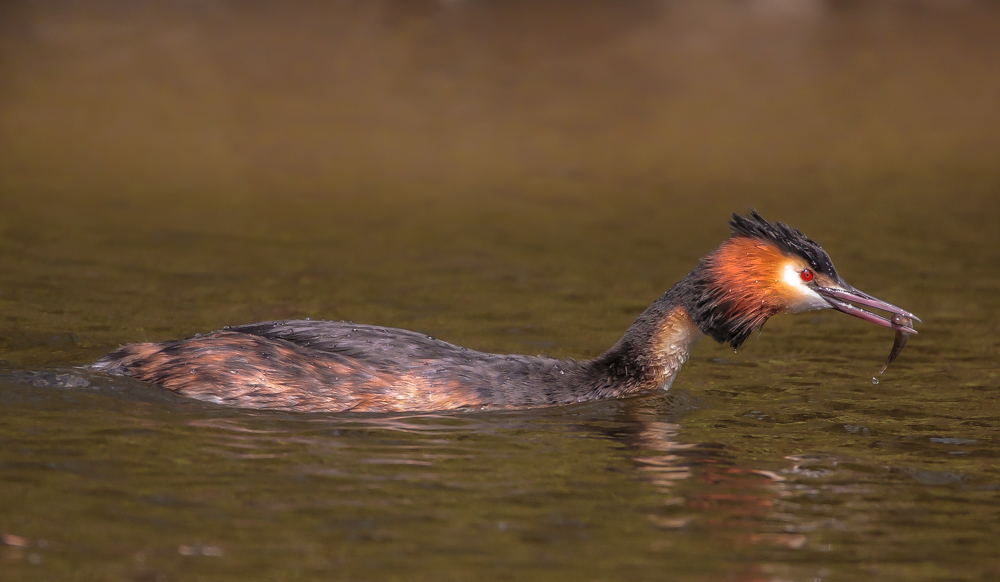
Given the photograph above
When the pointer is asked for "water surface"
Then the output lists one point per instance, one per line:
(512, 177)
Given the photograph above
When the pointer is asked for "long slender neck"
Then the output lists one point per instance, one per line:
(653, 349)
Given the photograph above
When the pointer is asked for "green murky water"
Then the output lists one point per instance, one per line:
(513, 177)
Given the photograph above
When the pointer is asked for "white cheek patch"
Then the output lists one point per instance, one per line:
(806, 298)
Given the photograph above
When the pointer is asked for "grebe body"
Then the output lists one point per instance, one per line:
(761, 270)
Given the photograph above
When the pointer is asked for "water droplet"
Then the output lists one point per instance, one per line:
(874, 381)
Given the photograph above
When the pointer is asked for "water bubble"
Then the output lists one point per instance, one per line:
(874, 381)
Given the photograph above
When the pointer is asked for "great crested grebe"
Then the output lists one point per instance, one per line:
(761, 270)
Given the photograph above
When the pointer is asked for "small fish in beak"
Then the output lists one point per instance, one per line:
(902, 335)
(901, 320)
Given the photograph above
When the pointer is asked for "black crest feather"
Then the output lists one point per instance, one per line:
(788, 239)
(711, 306)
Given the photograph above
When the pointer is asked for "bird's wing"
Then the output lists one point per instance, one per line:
(373, 344)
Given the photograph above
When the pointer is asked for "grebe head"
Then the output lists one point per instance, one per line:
(766, 268)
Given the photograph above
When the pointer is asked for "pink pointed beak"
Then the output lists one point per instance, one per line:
(844, 300)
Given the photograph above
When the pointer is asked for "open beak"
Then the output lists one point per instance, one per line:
(844, 298)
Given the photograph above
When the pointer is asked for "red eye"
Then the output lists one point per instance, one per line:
(806, 275)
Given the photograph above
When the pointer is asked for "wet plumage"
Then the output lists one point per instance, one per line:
(304, 365)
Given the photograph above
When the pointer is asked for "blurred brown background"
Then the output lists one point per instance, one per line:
(472, 167)
(321, 97)
(514, 176)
